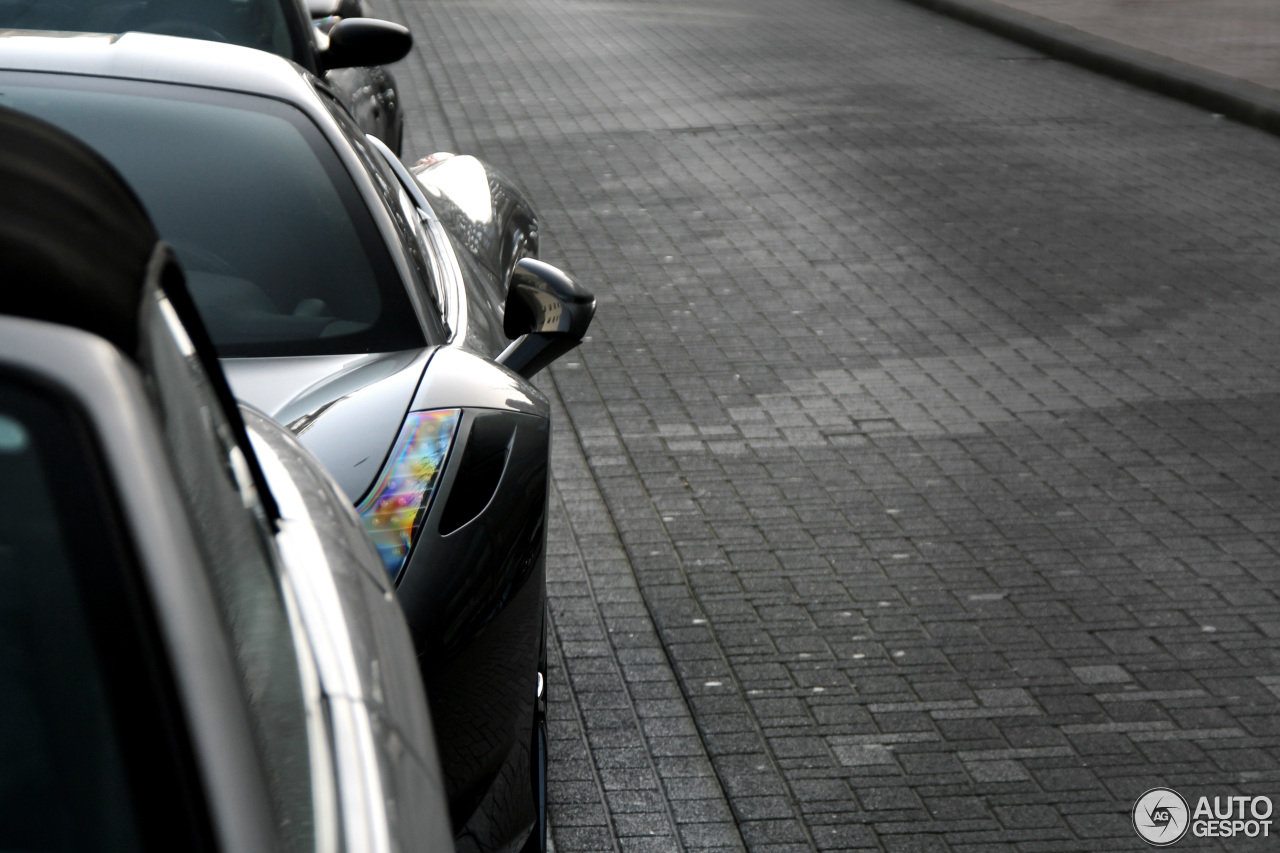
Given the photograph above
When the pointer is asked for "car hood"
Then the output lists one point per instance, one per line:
(346, 409)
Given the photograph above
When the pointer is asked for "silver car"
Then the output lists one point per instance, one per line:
(199, 647)
(392, 318)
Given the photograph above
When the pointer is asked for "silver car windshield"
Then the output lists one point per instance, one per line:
(281, 254)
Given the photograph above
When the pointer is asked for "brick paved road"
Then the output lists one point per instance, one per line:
(933, 398)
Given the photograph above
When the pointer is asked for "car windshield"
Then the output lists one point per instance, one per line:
(282, 256)
(259, 24)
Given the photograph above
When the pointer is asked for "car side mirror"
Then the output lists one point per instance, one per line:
(365, 41)
(547, 313)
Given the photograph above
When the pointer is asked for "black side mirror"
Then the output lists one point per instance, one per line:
(547, 313)
(365, 41)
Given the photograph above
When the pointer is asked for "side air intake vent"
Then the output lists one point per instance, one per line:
(483, 462)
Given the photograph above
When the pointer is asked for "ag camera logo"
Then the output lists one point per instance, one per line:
(1161, 817)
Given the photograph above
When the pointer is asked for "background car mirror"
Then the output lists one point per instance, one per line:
(547, 313)
(365, 41)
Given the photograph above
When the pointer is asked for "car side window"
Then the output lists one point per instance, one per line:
(232, 532)
(403, 210)
(95, 755)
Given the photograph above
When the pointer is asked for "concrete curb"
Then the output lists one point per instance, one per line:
(1237, 99)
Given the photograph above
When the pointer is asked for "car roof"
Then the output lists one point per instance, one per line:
(157, 58)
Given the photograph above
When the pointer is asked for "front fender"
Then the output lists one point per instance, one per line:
(474, 591)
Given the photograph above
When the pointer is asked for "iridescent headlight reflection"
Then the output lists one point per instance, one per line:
(395, 508)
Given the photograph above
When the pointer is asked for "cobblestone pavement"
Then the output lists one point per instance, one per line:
(918, 488)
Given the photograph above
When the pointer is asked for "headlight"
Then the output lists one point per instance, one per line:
(396, 507)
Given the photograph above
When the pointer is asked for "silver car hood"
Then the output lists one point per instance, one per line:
(346, 409)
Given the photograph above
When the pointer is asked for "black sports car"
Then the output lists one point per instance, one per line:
(198, 646)
(346, 48)
(392, 320)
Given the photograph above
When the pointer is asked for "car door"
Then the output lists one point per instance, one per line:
(125, 722)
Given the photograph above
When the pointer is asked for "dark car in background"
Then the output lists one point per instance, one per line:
(392, 320)
(332, 38)
(363, 82)
(199, 648)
